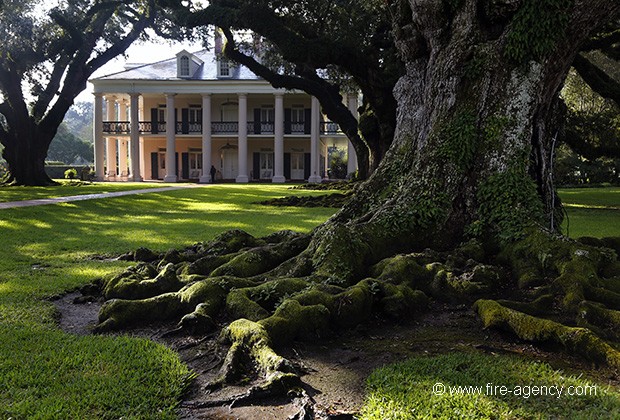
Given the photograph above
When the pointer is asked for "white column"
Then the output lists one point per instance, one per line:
(351, 155)
(278, 144)
(243, 138)
(206, 139)
(171, 170)
(315, 142)
(98, 135)
(122, 142)
(111, 141)
(134, 137)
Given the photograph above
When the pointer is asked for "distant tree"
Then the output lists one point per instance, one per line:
(47, 54)
(79, 120)
(66, 147)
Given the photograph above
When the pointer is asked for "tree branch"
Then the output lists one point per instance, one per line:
(327, 94)
(598, 80)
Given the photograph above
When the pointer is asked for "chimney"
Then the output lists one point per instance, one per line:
(218, 41)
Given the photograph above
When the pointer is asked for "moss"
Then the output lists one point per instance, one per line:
(401, 302)
(255, 303)
(206, 265)
(262, 259)
(133, 286)
(603, 321)
(252, 337)
(573, 340)
(120, 313)
(403, 269)
(540, 306)
(229, 242)
(292, 320)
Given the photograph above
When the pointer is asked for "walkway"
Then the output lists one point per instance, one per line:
(43, 201)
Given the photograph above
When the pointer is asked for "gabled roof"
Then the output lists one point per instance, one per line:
(167, 70)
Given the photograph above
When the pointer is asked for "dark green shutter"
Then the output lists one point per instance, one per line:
(287, 165)
(154, 122)
(307, 120)
(288, 126)
(185, 165)
(185, 121)
(176, 163)
(306, 166)
(256, 166)
(154, 165)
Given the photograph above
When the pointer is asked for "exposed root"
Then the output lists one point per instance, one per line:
(282, 287)
(573, 340)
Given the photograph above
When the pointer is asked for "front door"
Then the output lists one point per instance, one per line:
(161, 161)
(297, 166)
(266, 165)
(195, 165)
(229, 163)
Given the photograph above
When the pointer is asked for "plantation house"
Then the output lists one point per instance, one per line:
(173, 119)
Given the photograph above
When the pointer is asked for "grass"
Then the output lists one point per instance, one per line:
(411, 389)
(592, 211)
(45, 373)
(65, 189)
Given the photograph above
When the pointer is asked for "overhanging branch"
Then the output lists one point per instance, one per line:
(598, 80)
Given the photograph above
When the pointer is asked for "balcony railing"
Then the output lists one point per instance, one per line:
(217, 127)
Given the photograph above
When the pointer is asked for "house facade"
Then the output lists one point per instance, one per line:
(176, 119)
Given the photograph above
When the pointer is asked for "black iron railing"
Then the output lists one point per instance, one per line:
(217, 127)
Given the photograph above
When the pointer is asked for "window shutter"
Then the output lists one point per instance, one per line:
(185, 121)
(154, 165)
(307, 120)
(306, 166)
(287, 165)
(154, 121)
(256, 166)
(185, 165)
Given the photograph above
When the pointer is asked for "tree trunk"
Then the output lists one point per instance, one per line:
(25, 153)
(475, 131)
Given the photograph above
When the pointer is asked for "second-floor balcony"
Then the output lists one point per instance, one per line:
(219, 127)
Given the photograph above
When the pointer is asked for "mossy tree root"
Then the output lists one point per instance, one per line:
(573, 340)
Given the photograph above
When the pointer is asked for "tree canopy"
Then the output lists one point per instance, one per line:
(47, 55)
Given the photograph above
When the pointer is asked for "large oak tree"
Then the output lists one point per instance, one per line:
(46, 57)
(464, 195)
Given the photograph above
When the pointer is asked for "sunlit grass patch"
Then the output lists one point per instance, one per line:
(483, 386)
(64, 189)
(591, 211)
(51, 249)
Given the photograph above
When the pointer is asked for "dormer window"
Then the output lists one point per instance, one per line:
(184, 66)
(187, 64)
(224, 68)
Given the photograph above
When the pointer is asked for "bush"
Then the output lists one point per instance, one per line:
(71, 173)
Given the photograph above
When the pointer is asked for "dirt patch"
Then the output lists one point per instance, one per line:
(335, 367)
(335, 200)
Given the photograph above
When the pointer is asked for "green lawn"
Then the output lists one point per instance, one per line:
(33, 193)
(592, 211)
(467, 385)
(45, 373)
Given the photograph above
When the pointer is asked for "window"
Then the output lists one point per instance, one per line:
(184, 66)
(195, 114)
(224, 68)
